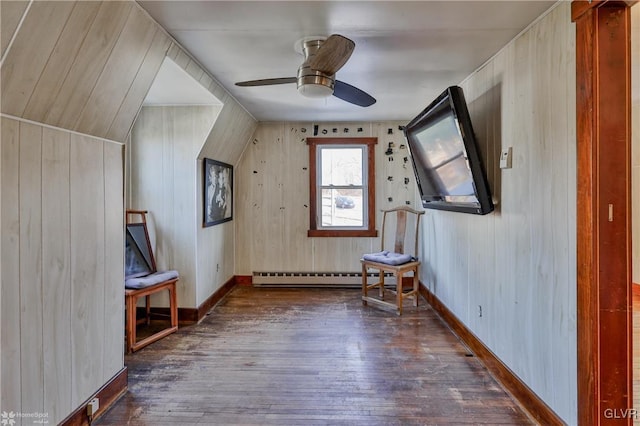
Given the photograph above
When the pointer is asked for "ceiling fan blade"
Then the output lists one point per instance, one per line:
(267, 82)
(351, 94)
(332, 55)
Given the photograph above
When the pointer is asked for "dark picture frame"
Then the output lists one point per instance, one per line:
(217, 190)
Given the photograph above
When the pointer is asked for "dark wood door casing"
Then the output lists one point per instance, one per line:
(603, 135)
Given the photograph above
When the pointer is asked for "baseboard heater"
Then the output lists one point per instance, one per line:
(314, 279)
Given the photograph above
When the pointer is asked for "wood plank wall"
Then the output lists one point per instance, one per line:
(82, 66)
(272, 204)
(518, 263)
(165, 143)
(62, 269)
(205, 257)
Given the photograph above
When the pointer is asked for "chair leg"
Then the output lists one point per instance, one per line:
(381, 287)
(364, 284)
(399, 293)
(416, 293)
(173, 305)
(131, 321)
(147, 304)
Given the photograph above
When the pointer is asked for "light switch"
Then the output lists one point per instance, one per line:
(505, 158)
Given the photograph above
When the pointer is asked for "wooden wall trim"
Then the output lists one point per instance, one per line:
(188, 316)
(603, 108)
(108, 394)
(244, 280)
(529, 401)
(580, 7)
(49, 126)
(217, 296)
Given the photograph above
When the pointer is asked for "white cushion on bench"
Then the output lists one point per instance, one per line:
(151, 279)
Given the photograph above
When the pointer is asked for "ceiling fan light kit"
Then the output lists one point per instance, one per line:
(316, 76)
(314, 84)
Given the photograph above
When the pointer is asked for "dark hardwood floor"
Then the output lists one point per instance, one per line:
(310, 356)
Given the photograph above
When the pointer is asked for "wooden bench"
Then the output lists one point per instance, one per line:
(131, 303)
(145, 282)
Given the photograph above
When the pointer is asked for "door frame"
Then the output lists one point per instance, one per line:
(604, 288)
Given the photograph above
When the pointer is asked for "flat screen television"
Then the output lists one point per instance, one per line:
(446, 161)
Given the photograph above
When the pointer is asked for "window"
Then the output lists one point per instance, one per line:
(342, 187)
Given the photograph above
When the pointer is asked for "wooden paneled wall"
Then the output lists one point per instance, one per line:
(71, 74)
(519, 264)
(82, 66)
(62, 267)
(205, 257)
(165, 177)
(272, 204)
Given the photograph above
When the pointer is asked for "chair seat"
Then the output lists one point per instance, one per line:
(388, 257)
(151, 279)
(389, 267)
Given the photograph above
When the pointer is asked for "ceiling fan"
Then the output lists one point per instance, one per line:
(324, 56)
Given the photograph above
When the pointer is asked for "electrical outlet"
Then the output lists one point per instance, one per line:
(92, 407)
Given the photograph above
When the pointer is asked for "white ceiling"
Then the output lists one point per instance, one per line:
(406, 52)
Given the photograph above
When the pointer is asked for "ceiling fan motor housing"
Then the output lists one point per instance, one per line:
(313, 83)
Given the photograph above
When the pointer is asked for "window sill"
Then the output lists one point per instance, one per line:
(342, 233)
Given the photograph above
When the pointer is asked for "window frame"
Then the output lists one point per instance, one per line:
(369, 229)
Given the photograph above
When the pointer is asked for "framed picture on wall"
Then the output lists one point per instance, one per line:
(218, 192)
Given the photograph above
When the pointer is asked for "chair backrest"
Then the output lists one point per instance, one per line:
(406, 231)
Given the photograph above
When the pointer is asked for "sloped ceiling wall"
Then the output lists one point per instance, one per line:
(81, 66)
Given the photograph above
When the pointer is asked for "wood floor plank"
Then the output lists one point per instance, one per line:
(310, 356)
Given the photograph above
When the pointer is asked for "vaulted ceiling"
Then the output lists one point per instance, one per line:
(406, 53)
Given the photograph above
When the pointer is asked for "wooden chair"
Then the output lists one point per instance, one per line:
(377, 261)
(163, 282)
